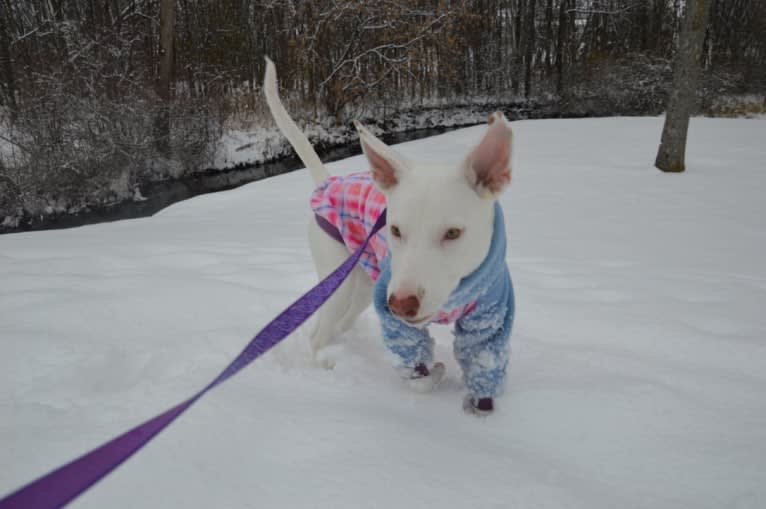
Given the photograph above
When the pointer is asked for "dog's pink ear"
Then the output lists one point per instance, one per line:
(385, 165)
(488, 166)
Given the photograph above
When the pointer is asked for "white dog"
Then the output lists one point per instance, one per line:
(440, 259)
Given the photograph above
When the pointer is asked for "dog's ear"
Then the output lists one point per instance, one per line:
(488, 166)
(386, 166)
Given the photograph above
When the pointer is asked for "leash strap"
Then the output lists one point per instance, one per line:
(329, 228)
(60, 486)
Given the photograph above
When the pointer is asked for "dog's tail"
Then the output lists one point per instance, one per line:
(288, 127)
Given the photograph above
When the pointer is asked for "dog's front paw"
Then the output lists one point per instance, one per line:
(480, 407)
(422, 379)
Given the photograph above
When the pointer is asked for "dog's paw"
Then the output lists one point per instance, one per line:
(326, 363)
(324, 359)
(425, 380)
(480, 407)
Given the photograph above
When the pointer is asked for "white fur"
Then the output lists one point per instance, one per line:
(423, 201)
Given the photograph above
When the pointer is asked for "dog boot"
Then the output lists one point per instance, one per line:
(478, 406)
(422, 379)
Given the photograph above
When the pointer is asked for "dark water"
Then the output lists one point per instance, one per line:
(162, 194)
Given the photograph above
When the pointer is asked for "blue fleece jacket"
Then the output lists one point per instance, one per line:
(482, 336)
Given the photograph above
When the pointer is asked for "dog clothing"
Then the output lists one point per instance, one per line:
(352, 204)
(482, 306)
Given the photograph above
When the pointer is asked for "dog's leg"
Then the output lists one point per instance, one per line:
(338, 314)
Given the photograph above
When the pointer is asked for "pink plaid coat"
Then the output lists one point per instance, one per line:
(352, 204)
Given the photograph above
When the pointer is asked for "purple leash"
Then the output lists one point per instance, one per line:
(60, 486)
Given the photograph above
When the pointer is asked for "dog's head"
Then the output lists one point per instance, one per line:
(439, 218)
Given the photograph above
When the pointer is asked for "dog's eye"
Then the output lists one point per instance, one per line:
(453, 234)
(395, 231)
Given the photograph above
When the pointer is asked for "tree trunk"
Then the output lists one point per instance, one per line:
(549, 37)
(560, 48)
(687, 69)
(6, 67)
(518, 39)
(530, 47)
(165, 79)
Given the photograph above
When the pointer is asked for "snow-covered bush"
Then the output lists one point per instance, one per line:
(748, 105)
(74, 151)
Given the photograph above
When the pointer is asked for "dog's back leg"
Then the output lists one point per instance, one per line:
(338, 314)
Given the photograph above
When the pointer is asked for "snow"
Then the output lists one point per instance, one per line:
(240, 145)
(248, 146)
(638, 368)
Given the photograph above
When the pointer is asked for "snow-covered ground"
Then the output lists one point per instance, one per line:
(638, 377)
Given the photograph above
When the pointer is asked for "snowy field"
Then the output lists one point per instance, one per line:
(638, 376)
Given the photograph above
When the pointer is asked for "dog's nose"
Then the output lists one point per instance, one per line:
(405, 307)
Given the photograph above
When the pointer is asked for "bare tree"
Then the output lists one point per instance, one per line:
(529, 48)
(164, 82)
(687, 69)
(6, 67)
(378, 48)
